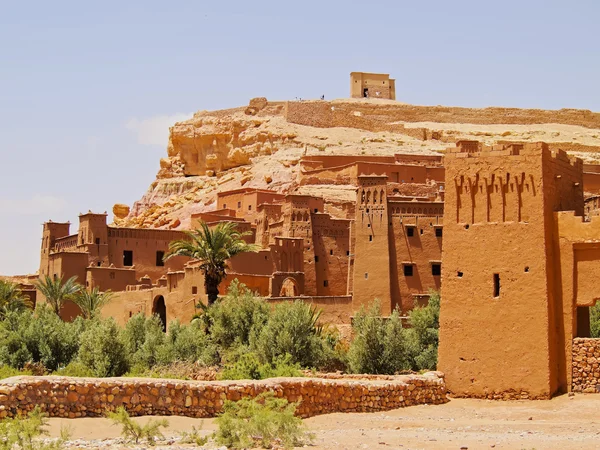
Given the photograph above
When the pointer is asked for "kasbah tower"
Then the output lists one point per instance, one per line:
(504, 326)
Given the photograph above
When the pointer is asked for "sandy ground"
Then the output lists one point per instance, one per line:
(561, 423)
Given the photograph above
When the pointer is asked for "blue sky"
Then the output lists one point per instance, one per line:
(87, 91)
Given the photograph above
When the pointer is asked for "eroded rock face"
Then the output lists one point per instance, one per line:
(120, 210)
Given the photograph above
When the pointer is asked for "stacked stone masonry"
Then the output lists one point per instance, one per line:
(92, 397)
(586, 365)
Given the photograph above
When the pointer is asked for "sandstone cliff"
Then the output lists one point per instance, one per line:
(260, 146)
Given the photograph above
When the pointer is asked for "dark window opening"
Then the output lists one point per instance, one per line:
(408, 270)
(421, 230)
(466, 226)
(316, 259)
(97, 241)
(194, 290)
(438, 232)
(366, 275)
(128, 257)
(347, 252)
(325, 283)
(368, 225)
(366, 92)
(410, 231)
(159, 258)
(239, 205)
(224, 206)
(98, 263)
(526, 268)
(496, 285)
(316, 210)
(436, 270)
(331, 252)
(249, 207)
(370, 237)
(459, 274)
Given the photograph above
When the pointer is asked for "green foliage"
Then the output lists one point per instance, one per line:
(7, 372)
(74, 369)
(39, 337)
(102, 351)
(249, 367)
(91, 302)
(133, 431)
(263, 421)
(22, 433)
(423, 335)
(292, 329)
(194, 436)
(237, 316)
(379, 344)
(58, 292)
(11, 299)
(212, 247)
(191, 343)
(595, 320)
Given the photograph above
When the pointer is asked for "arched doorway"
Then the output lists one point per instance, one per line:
(160, 309)
(289, 288)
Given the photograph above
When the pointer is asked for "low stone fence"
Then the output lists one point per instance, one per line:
(92, 397)
(586, 365)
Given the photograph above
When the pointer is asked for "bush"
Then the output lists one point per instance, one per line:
(423, 335)
(39, 337)
(75, 369)
(102, 351)
(191, 343)
(22, 433)
(379, 345)
(595, 321)
(262, 421)
(292, 329)
(7, 372)
(133, 431)
(237, 317)
(249, 367)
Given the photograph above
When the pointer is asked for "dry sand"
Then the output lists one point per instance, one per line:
(561, 423)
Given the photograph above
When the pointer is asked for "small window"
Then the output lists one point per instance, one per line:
(128, 257)
(370, 237)
(316, 210)
(459, 274)
(194, 290)
(249, 207)
(97, 241)
(99, 263)
(436, 270)
(438, 232)
(224, 205)
(239, 205)
(421, 230)
(331, 252)
(496, 285)
(408, 270)
(347, 252)
(316, 258)
(160, 258)
(366, 275)
(325, 283)
(410, 231)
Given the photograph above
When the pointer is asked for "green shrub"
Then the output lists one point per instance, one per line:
(423, 334)
(102, 351)
(262, 421)
(194, 436)
(23, 433)
(292, 329)
(74, 369)
(133, 431)
(7, 372)
(595, 320)
(249, 367)
(379, 344)
(237, 317)
(191, 343)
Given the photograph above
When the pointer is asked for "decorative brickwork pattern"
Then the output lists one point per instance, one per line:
(92, 397)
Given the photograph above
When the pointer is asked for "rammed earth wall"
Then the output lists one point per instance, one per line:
(586, 365)
(92, 397)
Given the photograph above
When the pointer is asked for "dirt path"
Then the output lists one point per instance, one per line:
(560, 423)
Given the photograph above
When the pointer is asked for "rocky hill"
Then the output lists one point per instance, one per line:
(260, 146)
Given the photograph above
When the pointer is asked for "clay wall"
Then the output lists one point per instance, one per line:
(335, 309)
(92, 397)
(379, 85)
(591, 182)
(109, 278)
(331, 241)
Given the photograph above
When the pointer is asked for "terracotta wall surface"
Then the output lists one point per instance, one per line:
(334, 309)
(92, 397)
(586, 365)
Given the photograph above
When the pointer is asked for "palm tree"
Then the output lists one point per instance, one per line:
(91, 302)
(212, 247)
(57, 292)
(11, 298)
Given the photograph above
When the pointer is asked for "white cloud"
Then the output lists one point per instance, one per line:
(37, 204)
(155, 130)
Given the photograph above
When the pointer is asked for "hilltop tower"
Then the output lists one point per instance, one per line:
(51, 232)
(93, 237)
(501, 331)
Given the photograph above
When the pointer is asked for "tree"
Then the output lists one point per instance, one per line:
(91, 302)
(57, 292)
(11, 298)
(212, 247)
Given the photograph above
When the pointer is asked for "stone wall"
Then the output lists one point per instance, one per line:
(92, 397)
(586, 365)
